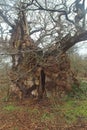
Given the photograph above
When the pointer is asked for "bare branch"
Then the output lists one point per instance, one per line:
(36, 30)
(6, 19)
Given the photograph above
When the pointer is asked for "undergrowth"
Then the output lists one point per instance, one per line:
(68, 109)
(78, 92)
(74, 104)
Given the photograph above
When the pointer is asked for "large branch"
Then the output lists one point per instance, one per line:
(67, 42)
(73, 40)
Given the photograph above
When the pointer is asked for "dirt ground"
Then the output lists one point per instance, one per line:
(31, 114)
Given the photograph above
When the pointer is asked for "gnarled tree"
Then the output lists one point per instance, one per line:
(37, 62)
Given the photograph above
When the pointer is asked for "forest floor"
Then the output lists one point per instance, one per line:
(69, 113)
(30, 114)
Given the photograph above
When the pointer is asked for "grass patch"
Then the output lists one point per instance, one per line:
(10, 108)
(16, 128)
(34, 111)
(47, 117)
(72, 110)
(78, 92)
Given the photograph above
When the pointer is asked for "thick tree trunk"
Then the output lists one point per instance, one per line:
(31, 68)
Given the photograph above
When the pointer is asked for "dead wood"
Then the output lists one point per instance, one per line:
(27, 67)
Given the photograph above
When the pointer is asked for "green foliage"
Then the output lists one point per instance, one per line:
(16, 128)
(10, 108)
(47, 116)
(83, 86)
(73, 109)
(33, 111)
(78, 92)
(74, 105)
